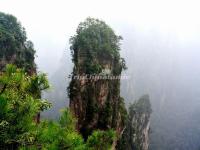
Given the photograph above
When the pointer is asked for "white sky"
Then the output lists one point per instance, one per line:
(50, 23)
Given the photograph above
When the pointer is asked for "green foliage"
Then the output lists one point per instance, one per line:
(94, 41)
(92, 68)
(143, 105)
(59, 135)
(19, 105)
(62, 135)
(38, 83)
(13, 44)
(106, 115)
(123, 111)
(101, 140)
(95, 36)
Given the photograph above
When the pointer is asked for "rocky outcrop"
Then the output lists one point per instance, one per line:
(136, 133)
(94, 93)
(97, 104)
(14, 47)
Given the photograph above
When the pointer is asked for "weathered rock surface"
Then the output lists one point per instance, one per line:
(96, 102)
(95, 97)
(136, 133)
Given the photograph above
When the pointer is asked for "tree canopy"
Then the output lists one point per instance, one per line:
(95, 37)
(14, 46)
(95, 40)
(19, 104)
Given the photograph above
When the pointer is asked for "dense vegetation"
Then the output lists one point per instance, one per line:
(14, 47)
(97, 104)
(20, 101)
(94, 49)
(95, 40)
(18, 106)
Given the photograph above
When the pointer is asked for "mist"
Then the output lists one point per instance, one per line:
(162, 66)
(168, 70)
(160, 45)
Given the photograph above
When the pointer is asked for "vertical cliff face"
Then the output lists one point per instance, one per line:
(136, 133)
(14, 47)
(94, 93)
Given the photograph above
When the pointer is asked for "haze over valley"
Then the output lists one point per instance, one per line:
(160, 46)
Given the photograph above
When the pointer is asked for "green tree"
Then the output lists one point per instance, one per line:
(101, 140)
(14, 47)
(19, 105)
(95, 39)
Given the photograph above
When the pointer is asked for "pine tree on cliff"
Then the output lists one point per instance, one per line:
(16, 49)
(96, 102)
